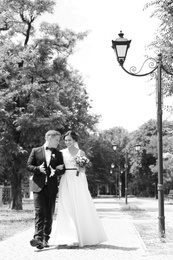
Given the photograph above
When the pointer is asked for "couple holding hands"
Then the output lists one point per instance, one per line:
(77, 222)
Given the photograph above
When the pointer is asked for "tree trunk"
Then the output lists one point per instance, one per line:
(16, 191)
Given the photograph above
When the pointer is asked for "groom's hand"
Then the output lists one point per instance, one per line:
(42, 168)
(52, 173)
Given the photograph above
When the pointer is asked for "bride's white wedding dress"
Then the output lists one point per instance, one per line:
(77, 221)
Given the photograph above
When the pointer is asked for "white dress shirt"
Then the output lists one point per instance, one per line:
(48, 154)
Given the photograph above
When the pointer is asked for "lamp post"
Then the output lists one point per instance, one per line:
(121, 46)
(112, 167)
(114, 146)
(126, 173)
(137, 148)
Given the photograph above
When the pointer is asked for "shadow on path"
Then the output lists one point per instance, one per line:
(95, 247)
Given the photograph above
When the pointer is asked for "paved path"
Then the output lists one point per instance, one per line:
(124, 241)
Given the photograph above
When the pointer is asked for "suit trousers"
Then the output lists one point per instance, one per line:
(44, 203)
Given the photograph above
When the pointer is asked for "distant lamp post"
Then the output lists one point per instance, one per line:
(112, 167)
(120, 47)
(115, 146)
(126, 173)
(137, 147)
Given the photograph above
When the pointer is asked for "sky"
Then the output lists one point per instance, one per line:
(121, 100)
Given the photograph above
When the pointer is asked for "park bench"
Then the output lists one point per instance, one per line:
(170, 195)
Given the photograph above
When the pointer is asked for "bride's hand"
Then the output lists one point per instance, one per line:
(60, 167)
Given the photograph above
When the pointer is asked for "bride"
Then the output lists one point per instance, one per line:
(77, 222)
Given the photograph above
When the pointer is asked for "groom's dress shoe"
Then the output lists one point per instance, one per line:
(36, 243)
(46, 243)
(41, 246)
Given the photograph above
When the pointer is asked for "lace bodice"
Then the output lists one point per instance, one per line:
(69, 160)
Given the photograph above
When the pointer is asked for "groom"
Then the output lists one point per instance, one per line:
(46, 163)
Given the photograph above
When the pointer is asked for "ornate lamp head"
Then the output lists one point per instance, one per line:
(120, 47)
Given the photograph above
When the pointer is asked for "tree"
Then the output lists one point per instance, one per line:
(144, 166)
(38, 90)
(163, 42)
(101, 156)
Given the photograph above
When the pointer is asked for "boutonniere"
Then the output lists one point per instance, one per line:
(53, 156)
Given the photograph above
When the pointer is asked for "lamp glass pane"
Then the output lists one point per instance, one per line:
(114, 147)
(121, 51)
(138, 147)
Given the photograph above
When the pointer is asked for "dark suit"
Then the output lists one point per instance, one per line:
(45, 189)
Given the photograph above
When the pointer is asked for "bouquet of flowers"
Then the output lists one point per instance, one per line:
(81, 161)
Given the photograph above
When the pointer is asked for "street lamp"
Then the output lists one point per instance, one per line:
(120, 47)
(114, 146)
(112, 167)
(137, 148)
(126, 173)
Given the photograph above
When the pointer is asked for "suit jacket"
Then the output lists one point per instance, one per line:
(36, 158)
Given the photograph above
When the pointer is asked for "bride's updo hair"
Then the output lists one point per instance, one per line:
(73, 135)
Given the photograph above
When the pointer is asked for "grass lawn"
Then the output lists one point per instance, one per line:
(146, 223)
(14, 221)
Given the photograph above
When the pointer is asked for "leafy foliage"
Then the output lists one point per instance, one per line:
(163, 42)
(38, 89)
(101, 157)
(144, 165)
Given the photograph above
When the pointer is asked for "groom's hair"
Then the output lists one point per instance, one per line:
(52, 133)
